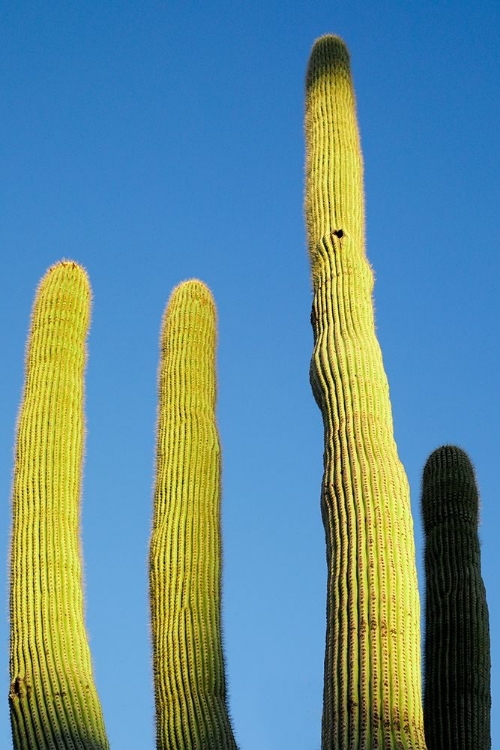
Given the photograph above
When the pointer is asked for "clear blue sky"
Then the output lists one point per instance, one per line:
(156, 141)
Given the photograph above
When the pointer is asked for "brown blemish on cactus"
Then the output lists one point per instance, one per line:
(19, 689)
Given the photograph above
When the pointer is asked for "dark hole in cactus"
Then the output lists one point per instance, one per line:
(17, 687)
(339, 233)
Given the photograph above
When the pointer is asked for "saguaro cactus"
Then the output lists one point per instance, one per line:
(457, 698)
(372, 691)
(53, 701)
(185, 550)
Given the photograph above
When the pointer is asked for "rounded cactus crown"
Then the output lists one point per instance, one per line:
(449, 488)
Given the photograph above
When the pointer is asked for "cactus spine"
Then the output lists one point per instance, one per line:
(457, 698)
(53, 701)
(185, 549)
(372, 692)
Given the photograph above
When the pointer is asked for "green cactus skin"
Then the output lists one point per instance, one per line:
(53, 701)
(185, 548)
(372, 691)
(457, 697)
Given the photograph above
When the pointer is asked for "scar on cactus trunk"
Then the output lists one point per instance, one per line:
(53, 701)
(457, 695)
(185, 549)
(372, 688)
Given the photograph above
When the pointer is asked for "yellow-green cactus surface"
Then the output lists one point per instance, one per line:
(372, 692)
(185, 550)
(53, 701)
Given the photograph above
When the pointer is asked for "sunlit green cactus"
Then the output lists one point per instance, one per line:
(372, 691)
(185, 550)
(53, 701)
(457, 697)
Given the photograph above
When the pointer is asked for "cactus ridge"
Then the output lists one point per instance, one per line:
(372, 663)
(53, 701)
(185, 547)
(457, 697)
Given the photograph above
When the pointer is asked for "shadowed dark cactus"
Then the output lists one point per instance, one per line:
(457, 699)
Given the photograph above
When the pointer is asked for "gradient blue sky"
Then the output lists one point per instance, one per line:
(156, 141)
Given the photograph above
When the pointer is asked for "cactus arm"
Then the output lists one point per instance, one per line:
(457, 695)
(372, 692)
(53, 701)
(185, 547)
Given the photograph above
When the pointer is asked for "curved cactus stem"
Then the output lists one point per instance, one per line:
(457, 695)
(185, 549)
(53, 701)
(372, 692)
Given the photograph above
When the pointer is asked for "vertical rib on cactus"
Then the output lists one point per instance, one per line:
(372, 691)
(185, 550)
(457, 699)
(53, 701)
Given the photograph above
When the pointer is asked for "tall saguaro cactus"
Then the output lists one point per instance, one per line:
(185, 550)
(372, 691)
(53, 701)
(457, 697)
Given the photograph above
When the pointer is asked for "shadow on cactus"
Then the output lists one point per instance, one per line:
(457, 695)
(372, 677)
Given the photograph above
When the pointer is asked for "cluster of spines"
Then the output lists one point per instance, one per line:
(372, 693)
(185, 548)
(457, 698)
(53, 701)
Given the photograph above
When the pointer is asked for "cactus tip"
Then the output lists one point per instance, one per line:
(68, 272)
(450, 455)
(193, 290)
(329, 53)
(449, 487)
(190, 298)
